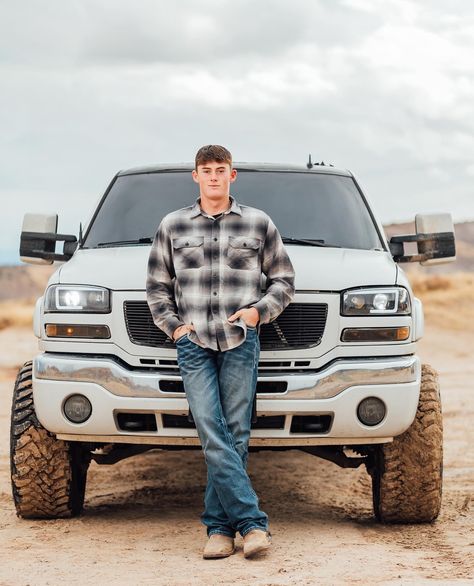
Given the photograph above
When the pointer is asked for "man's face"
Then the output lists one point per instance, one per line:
(214, 179)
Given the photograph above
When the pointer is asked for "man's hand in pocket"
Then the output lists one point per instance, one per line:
(250, 316)
(182, 330)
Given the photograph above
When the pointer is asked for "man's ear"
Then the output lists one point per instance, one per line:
(233, 175)
(195, 175)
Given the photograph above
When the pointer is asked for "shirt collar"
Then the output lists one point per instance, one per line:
(234, 207)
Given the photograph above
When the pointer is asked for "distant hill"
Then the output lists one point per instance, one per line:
(27, 282)
(24, 282)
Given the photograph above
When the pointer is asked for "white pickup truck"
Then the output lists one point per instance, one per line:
(338, 377)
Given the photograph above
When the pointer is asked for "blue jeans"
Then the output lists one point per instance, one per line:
(220, 388)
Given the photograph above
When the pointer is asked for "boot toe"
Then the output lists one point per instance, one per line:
(218, 546)
(256, 541)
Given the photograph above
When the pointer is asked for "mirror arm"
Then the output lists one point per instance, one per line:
(52, 236)
(397, 248)
(49, 237)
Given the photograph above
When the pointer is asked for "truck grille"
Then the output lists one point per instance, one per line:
(300, 325)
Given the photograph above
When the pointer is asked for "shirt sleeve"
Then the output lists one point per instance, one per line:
(277, 267)
(160, 285)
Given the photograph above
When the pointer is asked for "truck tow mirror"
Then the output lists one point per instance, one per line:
(38, 240)
(434, 238)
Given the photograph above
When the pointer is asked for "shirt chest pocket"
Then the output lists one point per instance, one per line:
(243, 252)
(188, 252)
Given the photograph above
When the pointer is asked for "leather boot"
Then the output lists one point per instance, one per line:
(218, 546)
(256, 541)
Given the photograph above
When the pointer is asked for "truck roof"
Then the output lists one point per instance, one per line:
(164, 167)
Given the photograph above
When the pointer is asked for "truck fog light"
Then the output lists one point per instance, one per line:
(371, 411)
(77, 408)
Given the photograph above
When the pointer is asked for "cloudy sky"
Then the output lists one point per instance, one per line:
(384, 88)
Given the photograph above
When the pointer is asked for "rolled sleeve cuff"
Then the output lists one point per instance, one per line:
(169, 325)
(263, 311)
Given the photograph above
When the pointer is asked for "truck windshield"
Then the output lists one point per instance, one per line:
(309, 206)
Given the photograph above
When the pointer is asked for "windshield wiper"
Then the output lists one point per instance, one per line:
(125, 242)
(307, 242)
(286, 240)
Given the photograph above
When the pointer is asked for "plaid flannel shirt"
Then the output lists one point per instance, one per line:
(203, 269)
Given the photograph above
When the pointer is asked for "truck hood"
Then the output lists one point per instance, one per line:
(328, 269)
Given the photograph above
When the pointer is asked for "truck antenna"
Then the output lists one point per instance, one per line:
(80, 233)
(309, 164)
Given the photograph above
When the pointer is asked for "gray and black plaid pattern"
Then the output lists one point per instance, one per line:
(203, 269)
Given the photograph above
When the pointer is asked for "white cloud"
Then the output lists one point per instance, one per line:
(394, 10)
(470, 171)
(384, 87)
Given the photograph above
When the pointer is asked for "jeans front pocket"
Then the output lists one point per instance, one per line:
(243, 252)
(188, 252)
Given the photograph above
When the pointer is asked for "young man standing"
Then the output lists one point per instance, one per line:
(204, 291)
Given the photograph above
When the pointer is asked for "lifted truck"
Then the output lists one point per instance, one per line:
(338, 373)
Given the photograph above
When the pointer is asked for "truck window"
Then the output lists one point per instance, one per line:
(306, 205)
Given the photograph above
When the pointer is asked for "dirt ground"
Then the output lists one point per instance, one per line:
(141, 521)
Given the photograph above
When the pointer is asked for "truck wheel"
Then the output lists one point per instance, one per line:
(48, 475)
(407, 473)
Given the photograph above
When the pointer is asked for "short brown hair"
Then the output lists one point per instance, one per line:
(212, 152)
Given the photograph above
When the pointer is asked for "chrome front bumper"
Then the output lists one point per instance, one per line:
(336, 390)
(329, 382)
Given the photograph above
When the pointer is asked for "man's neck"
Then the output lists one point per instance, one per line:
(215, 207)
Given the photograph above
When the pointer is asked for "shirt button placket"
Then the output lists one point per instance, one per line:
(215, 268)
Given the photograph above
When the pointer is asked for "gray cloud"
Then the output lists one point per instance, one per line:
(88, 87)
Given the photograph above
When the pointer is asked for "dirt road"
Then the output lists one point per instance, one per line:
(141, 521)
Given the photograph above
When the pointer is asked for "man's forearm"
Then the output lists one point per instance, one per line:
(276, 265)
(278, 295)
(160, 284)
(163, 311)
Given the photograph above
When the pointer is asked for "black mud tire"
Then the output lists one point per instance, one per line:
(48, 475)
(407, 473)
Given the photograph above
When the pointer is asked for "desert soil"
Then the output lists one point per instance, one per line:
(141, 520)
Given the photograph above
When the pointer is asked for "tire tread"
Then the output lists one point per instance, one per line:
(42, 467)
(407, 477)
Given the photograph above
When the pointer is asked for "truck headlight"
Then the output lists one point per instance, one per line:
(377, 301)
(77, 298)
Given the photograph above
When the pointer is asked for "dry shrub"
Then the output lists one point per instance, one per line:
(421, 283)
(16, 314)
(448, 300)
